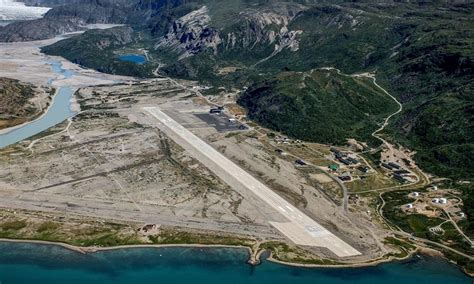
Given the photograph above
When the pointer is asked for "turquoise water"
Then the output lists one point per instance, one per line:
(58, 111)
(135, 58)
(32, 263)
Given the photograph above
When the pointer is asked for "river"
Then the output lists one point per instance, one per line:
(39, 263)
(58, 111)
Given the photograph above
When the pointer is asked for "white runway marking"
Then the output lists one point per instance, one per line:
(301, 229)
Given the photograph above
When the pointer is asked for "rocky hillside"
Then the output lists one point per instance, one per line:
(69, 16)
(37, 29)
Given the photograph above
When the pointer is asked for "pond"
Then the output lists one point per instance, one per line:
(135, 58)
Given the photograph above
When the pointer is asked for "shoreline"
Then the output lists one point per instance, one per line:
(253, 256)
(90, 250)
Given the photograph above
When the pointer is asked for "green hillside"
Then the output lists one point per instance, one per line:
(100, 49)
(319, 105)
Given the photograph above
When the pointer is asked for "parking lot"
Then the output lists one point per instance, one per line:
(221, 122)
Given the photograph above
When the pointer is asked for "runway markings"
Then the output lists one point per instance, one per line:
(300, 229)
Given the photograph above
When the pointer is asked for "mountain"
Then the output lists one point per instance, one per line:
(421, 52)
(38, 29)
(70, 16)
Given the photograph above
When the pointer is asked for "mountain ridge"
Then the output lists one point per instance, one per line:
(422, 53)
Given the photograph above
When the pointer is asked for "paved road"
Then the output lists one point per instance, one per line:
(298, 227)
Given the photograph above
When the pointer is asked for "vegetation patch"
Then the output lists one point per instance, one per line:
(321, 106)
(170, 236)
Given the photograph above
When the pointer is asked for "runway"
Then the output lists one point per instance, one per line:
(299, 228)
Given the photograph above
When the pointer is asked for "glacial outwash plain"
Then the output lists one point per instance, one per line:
(315, 134)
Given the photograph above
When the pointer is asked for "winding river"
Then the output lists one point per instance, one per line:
(57, 112)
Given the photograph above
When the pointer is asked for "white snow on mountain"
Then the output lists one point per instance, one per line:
(11, 10)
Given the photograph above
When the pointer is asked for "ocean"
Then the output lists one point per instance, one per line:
(38, 263)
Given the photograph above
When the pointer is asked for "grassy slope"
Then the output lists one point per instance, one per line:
(13, 98)
(320, 106)
(15, 107)
(432, 75)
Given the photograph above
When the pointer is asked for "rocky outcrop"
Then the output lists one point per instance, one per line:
(267, 26)
(191, 34)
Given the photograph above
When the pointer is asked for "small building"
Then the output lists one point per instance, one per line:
(435, 200)
(352, 160)
(443, 201)
(410, 206)
(333, 167)
(344, 161)
(387, 166)
(399, 178)
(215, 110)
(345, 178)
(416, 194)
(394, 165)
(363, 169)
(300, 162)
(148, 227)
(402, 172)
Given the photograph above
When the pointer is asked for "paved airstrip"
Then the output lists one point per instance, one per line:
(299, 228)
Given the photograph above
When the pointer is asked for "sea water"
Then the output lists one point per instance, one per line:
(38, 263)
